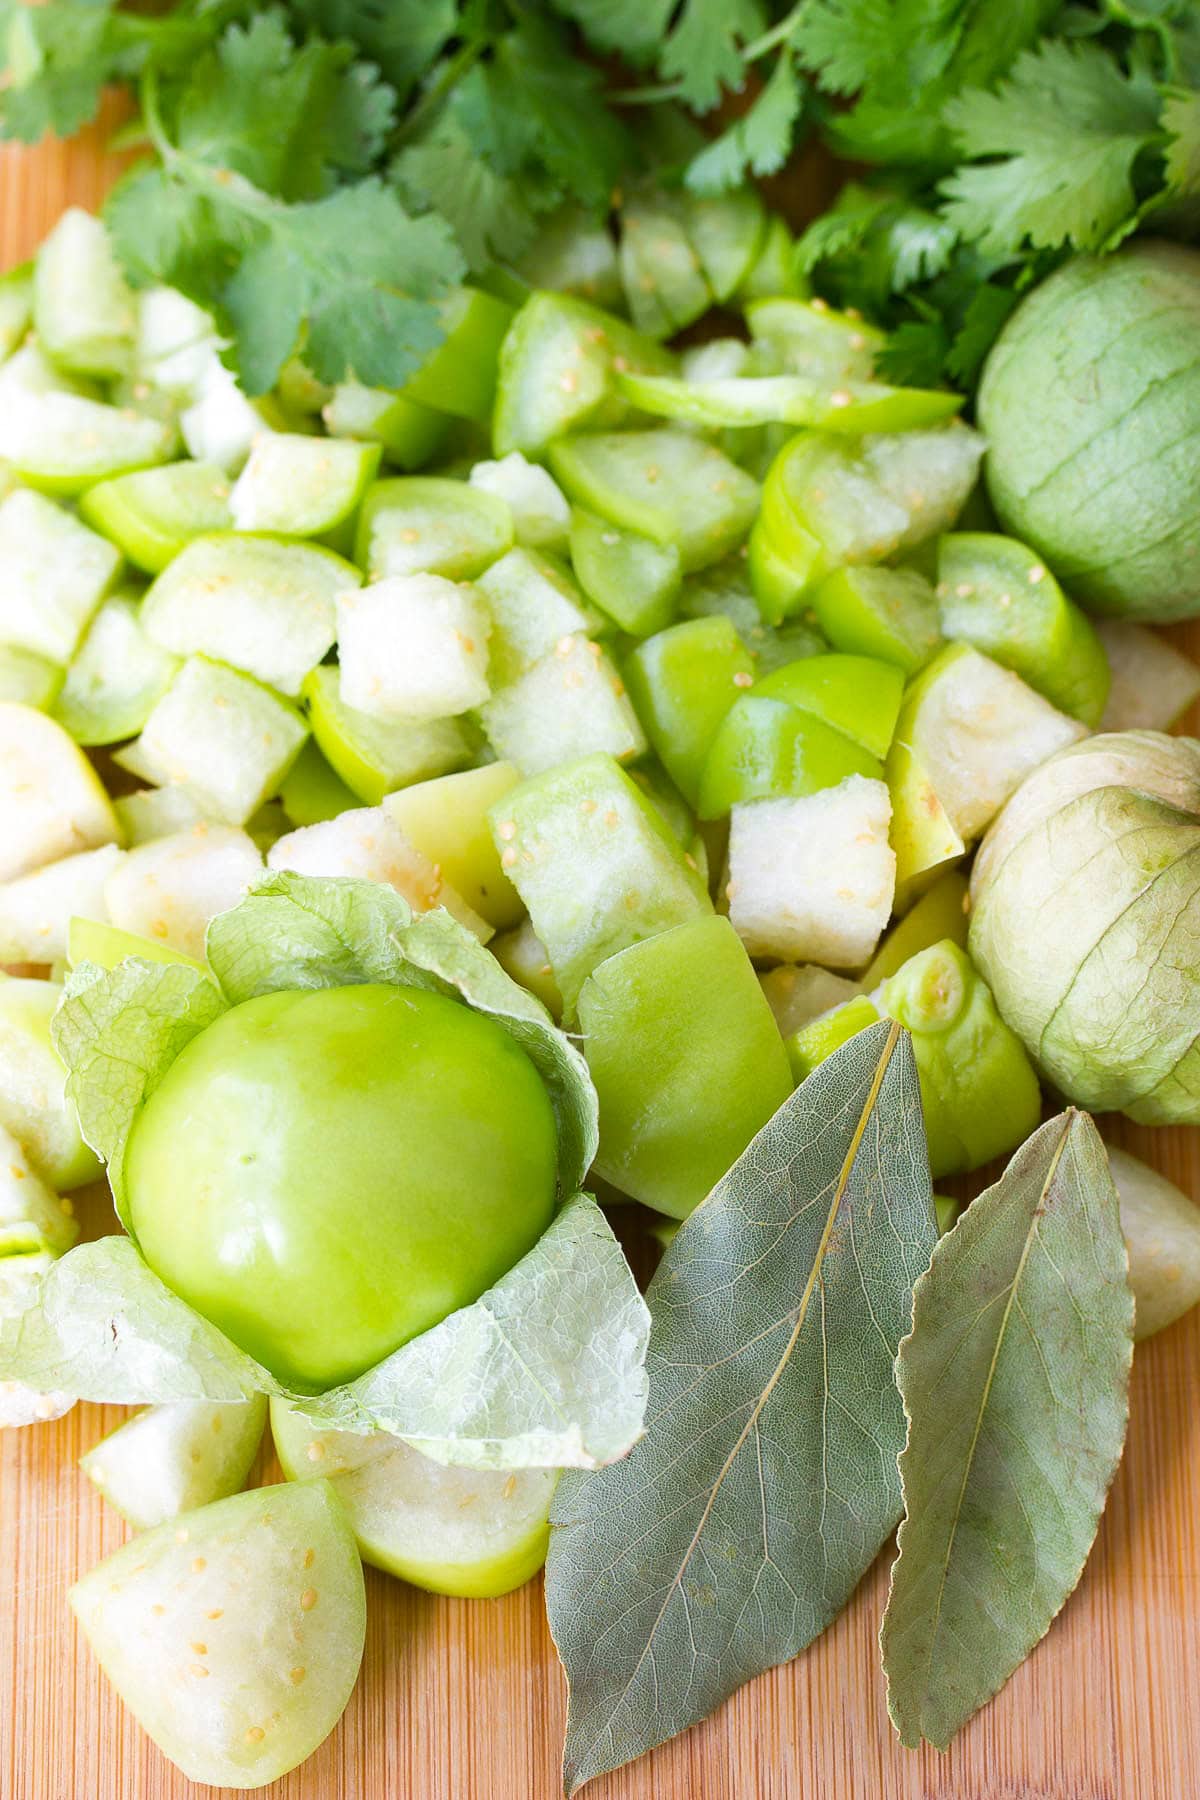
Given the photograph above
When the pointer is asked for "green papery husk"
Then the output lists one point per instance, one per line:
(545, 1369)
(1085, 922)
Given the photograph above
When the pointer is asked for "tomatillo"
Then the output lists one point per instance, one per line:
(326, 1174)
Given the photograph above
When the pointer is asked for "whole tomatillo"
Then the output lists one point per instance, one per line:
(326, 1174)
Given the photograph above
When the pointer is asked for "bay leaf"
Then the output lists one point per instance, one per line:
(1015, 1380)
(766, 1481)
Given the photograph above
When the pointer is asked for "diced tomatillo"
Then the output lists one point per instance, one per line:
(263, 604)
(303, 486)
(940, 913)
(682, 682)
(807, 337)
(541, 516)
(476, 1533)
(375, 756)
(54, 573)
(812, 878)
(687, 1004)
(570, 704)
(809, 1046)
(170, 1459)
(534, 604)
(429, 525)
(773, 271)
(170, 887)
(631, 578)
(51, 799)
(34, 1107)
(788, 399)
(222, 735)
(32, 1216)
(595, 863)
(408, 433)
(459, 377)
(727, 231)
(90, 940)
(665, 285)
(556, 371)
(522, 954)
(233, 1634)
(1152, 683)
(668, 485)
(16, 307)
(83, 310)
(153, 513)
(446, 819)
(115, 678)
(857, 695)
(413, 647)
(36, 909)
(766, 749)
(889, 613)
(797, 993)
(28, 679)
(998, 595)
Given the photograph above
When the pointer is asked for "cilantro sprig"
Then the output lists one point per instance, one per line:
(324, 169)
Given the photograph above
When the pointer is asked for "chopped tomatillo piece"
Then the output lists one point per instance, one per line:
(153, 513)
(791, 400)
(522, 954)
(32, 1216)
(1152, 683)
(631, 578)
(475, 1533)
(682, 682)
(570, 704)
(539, 508)
(408, 433)
(36, 909)
(857, 695)
(727, 231)
(116, 677)
(261, 603)
(172, 1458)
(534, 604)
(34, 1107)
(773, 271)
(90, 940)
(808, 1047)
(430, 525)
(233, 1634)
(83, 311)
(413, 647)
(979, 1089)
(668, 485)
(940, 913)
(977, 730)
(665, 285)
(54, 573)
(303, 486)
(923, 837)
(807, 337)
(557, 364)
(687, 1004)
(999, 596)
(596, 865)
(28, 679)
(889, 613)
(366, 1214)
(812, 878)
(459, 377)
(51, 799)
(1161, 1228)
(375, 756)
(767, 749)
(826, 502)
(797, 993)
(312, 791)
(446, 819)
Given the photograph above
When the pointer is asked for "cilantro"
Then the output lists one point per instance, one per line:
(1066, 130)
(702, 50)
(758, 143)
(403, 38)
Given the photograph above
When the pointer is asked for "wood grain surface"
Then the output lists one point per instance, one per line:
(463, 1700)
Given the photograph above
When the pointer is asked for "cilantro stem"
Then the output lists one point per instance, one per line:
(778, 34)
(645, 96)
(451, 74)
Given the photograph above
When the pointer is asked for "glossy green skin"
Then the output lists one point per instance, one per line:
(151, 514)
(633, 580)
(324, 1175)
(312, 790)
(688, 1006)
(372, 757)
(460, 376)
(808, 1047)
(940, 913)
(978, 1087)
(88, 940)
(858, 695)
(766, 749)
(999, 596)
(888, 613)
(682, 683)
(1090, 400)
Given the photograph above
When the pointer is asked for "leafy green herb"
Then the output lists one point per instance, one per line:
(1015, 1383)
(766, 1481)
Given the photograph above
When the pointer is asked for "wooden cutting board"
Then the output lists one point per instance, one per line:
(463, 1700)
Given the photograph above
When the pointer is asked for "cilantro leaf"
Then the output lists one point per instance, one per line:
(485, 207)
(635, 28)
(552, 108)
(760, 142)
(353, 275)
(703, 50)
(1066, 128)
(1181, 122)
(402, 37)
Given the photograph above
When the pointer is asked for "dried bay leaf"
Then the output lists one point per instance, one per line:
(1015, 1380)
(766, 1482)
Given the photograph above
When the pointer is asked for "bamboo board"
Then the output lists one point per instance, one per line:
(463, 1700)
